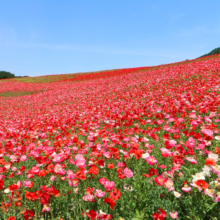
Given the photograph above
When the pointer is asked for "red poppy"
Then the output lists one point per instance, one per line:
(121, 174)
(31, 196)
(159, 215)
(42, 173)
(1, 184)
(176, 136)
(22, 168)
(11, 175)
(40, 193)
(116, 194)
(210, 161)
(18, 204)
(94, 170)
(111, 166)
(152, 172)
(202, 184)
(185, 182)
(110, 201)
(50, 168)
(90, 191)
(11, 218)
(92, 214)
(115, 151)
(217, 150)
(2, 162)
(101, 163)
(56, 193)
(45, 198)
(80, 174)
(138, 154)
(13, 187)
(146, 175)
(28, 214)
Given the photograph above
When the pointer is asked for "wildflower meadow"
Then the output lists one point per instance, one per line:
(129, 144)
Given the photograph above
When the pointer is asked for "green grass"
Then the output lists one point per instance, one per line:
(16, 94)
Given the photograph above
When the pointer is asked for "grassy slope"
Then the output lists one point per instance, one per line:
(64, 77)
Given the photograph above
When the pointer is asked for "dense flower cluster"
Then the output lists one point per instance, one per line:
(141, 142)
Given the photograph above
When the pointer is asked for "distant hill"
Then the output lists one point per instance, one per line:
(215, 51)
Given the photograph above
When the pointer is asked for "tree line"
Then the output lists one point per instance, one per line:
(7, 75)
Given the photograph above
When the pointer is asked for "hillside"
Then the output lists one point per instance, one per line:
(213, 52)
(84, 76)
(129, 144)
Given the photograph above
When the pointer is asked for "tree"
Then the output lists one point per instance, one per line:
(6, 75)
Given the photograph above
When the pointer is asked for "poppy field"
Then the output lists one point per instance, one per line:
(129, 144)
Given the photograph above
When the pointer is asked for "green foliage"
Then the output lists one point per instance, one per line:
(213, 52)
(6, 75)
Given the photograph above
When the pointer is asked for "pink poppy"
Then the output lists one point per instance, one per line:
(102, 181)
(128, 172)
(174, 215)
(99, 193)
(58, 169)
(109, 185)
(34, 170)
(186, 188)
(160, 180)
(81, 163)
(151, 160)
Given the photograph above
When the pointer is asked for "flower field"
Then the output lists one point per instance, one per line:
(140, 143)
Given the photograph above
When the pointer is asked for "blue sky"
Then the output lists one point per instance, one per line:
(44, 37)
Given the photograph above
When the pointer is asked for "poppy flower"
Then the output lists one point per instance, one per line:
(109, 185)
(80, 174)
(116, 194)
(31, 196)
(120, 174)
(28, 214)
(174, 215)
(160, 180)
(50, 168)
(102, 181)
(34, 170)
(1, 184)
(2, 162)
(18, 204)
(99, 193)
(138, 154)
(56, 193)
(45, 198)
(159, 215)
(101, 163)
(202, 184)
(13, 187)
(94, 170)
(210, 161)
(22, 168)
(42, 173)
(28, 184)
(152, 172)
(111, 166)
(92, 214)
(217, 150)
(11, 175)
(128, 173)
(110, 201)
